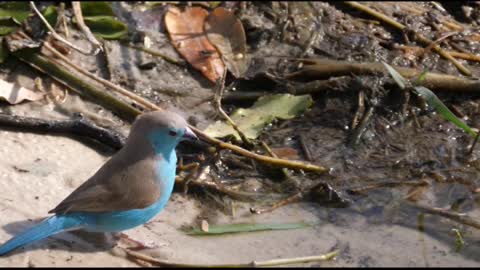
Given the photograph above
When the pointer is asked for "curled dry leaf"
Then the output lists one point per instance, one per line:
(187, 36)
(226, 32)
(13, 93)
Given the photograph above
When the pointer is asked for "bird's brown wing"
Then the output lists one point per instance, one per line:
(118, 185)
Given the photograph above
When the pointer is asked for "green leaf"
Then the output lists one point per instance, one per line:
(50, 14)
(245, 227)
(402, 83)
(251, 121)
(7, 26)
(18, 11)
(12, 14)
(106, 27)
(96, 9)
(436, 103)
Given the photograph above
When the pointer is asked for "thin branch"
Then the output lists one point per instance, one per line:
(458, 217)
(275, 262)
(418, 36)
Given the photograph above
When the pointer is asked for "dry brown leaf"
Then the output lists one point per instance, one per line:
(286, 153)
(226, 32)
(14, 93)
(188, 37)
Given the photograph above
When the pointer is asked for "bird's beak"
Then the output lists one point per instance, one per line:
(189, 134)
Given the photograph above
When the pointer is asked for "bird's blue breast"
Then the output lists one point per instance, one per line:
(165, 167)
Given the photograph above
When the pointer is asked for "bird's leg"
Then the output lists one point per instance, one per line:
(137, 245)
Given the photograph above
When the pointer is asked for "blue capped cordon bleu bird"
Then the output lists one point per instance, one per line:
(127, 191)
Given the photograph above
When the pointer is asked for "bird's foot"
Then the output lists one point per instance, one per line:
(136, 245)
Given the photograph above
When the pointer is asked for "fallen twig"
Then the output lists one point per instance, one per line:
(275, 262)
(316, 69)
(418, 36)
(460, 218)
(80, 127)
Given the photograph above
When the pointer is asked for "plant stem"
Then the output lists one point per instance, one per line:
(316, 69)
(276, 262)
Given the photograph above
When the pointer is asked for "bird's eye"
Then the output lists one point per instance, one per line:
(172, 133)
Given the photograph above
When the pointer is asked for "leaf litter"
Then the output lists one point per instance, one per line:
(14, 94)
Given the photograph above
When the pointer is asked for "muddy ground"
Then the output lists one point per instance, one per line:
(374, 227)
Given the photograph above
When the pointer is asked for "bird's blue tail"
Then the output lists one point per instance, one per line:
(49, 226)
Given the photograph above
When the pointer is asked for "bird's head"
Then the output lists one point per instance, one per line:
(163, 129)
